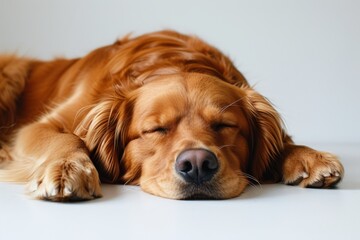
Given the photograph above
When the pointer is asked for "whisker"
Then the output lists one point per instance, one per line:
(129, 180)
(223, 146)
(230, 105)
(148, 180)
(252, 178)
(253, 181)
(133, 177)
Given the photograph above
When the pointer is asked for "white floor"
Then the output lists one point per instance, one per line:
(264, 212)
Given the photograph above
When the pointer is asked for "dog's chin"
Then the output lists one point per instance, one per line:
(181, 190)
(204, 192)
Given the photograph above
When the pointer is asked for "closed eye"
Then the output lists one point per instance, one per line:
(219, 126)
(158, 129)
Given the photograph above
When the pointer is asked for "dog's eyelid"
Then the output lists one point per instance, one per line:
(157, 129)
(218, 126)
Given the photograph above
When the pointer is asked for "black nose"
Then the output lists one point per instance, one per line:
(196, 165)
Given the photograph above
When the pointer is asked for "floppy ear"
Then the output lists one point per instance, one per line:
(267, 134)
(103, 130)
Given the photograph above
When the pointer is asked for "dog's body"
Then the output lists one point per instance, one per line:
(164, 110)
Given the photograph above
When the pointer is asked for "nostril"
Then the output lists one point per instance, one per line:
(210, 165)
(185, 166)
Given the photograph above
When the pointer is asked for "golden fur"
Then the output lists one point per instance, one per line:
(125, 112)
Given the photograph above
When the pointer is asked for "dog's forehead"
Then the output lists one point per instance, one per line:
(179, 95)
(165, 85)
(191, 87)
(211, 90)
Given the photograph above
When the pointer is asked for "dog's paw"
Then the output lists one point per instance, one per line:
(71, 179)
(307, 167)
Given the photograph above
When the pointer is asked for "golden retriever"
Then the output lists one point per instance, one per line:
(164, 111)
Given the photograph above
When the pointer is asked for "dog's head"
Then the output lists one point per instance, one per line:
(183, 134)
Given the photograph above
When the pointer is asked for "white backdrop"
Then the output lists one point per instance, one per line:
(303, 55)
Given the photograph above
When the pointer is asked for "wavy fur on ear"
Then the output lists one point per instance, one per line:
(267, 132)
(103, 131)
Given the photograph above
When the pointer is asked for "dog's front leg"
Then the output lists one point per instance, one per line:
(57, 163)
